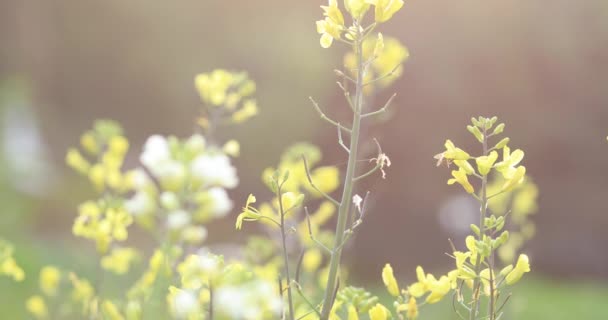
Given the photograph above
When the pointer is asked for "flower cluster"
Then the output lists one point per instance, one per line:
(333, 26)
(207, 281)
(179, 186)
(227, 96)
(483, 129)
(8, 265)
(475, 267)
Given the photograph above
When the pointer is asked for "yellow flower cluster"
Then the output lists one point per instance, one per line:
(229, 91)
(333, 26)
(107, 147)
(483, 129)
(102, 223)
(475, 267)
(8, 265)
(49, 281)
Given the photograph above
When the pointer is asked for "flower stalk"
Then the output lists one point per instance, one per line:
(349, 181)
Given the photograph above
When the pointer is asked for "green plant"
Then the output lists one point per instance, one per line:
(293, 269)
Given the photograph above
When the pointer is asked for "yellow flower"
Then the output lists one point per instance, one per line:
(411, 309)
(421, 287)
(332, 26)
(232, 148)
(465, 165)
(515, 178)
(110, 309)
(389, 280)
(249, 213)
(378, 312)
(385, 9)
(77, 162)
(439, 288)
(37, 307)
(326, 179)
(89, 143)
(312, 260)
(460, 176)
(522, 266)
(485, 163)
(9, 267)
(509, 161)
(333, 13)
(49, 280)
(453, 153)
(356, 8)
(119, 260)
(290, 200)
(352, 313)
(249, 109)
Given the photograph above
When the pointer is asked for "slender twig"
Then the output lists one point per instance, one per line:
(391, 73)
(381, 110)
(299, 290)
(347, 96)
(343, 75)
(299, 265)
(310, 233)
(285, 255)
(326, 118)
(341, 142)
(314, 186)
(378, 166)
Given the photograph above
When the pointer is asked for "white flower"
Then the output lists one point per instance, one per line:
(214, 170)
(195, 144)
(140, 204)
(208, 262)
(156, 152)
(221, 204)
(158, 159)
(231, 301)
(169, 200)
(185, 304)
(178, 219)
(141, 178)
(194, 234)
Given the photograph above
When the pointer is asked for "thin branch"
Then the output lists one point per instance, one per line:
(341, 141)
(314, 309)
(341, 74)
(347, 96)
(299, 265)
(391, 73)
(381, 110)
(312, 184)
(312, 237)
(326, 118)
(378, 166)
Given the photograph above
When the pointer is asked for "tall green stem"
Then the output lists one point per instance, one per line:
(347, 192)
(482, 216)
(285, 255)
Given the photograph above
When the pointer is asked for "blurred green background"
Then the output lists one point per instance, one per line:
(540, 66)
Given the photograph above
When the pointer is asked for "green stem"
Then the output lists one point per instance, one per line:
(285, 255)
(483, 212)
(347, 192)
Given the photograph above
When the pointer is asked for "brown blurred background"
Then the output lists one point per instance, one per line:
(540, 66)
